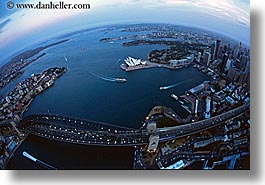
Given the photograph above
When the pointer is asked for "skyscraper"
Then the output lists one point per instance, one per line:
(218, 44)
(213, 49)
(237, 75)
(228, 64)
(224, 61)
(207, 58)
(231, 72)
(237, 50)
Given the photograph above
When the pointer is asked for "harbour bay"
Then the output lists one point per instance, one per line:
(80, 94)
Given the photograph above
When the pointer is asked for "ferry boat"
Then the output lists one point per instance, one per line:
(120, 80)
(174, 96)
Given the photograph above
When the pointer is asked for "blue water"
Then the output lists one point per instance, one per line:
(79, 93)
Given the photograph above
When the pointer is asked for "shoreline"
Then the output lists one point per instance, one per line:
(42, 82)
(41, 86)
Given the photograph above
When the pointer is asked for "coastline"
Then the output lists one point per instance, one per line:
(45, 80)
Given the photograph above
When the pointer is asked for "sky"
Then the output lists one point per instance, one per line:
(21, 28)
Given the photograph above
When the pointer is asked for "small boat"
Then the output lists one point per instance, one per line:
(120, 80)
(65, 59)
(162, 88)
(174, 96)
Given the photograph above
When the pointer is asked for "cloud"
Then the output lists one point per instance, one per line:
(4, 22)
(24, 21)
(237, 11)
(226, 9)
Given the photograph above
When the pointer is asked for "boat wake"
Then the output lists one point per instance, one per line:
(174, 85)
(106, 78)
(110, 79)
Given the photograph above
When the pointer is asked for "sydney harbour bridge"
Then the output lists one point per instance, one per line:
(80, 131)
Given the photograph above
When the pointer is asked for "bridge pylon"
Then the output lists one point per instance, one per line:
(154, 136)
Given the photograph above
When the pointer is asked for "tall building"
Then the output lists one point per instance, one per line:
(237, 50)
(205, 51)
(218, 44)
(237, 63)
(225, 49)
(243, 62)
(231, 72)
(241, 78)
(247, 69)
(213, 49)
(224, 61)
(199, 56)
(208, 108)
(207, 58)
(237, 75)
(228, 64)
(196, 107)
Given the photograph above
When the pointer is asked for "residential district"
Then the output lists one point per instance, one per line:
(16, 103)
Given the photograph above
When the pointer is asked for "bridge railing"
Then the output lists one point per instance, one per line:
(72, 122)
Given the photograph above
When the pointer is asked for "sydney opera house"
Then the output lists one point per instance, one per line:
(131, 62)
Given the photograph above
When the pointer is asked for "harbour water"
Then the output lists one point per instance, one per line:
(70, 156)
(80, 94)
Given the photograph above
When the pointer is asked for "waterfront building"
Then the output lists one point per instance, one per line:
(182, 62)
(196, 107)
(208, 107)
(200, 88)
(207, 58)
(131, 62)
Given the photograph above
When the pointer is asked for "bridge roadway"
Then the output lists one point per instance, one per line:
(97, 133)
